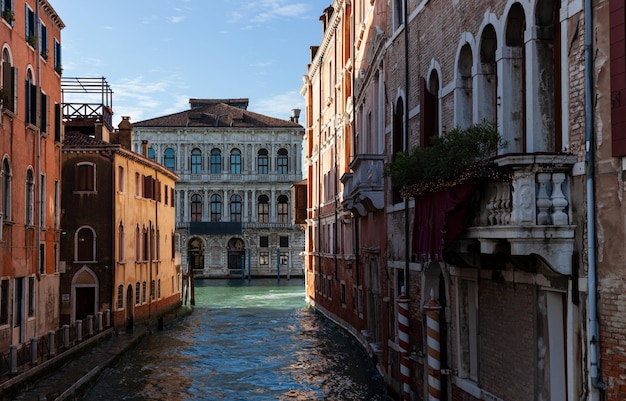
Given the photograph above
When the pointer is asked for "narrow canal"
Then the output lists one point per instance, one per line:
(245, 341)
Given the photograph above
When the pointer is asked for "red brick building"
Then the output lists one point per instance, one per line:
(528, 294)
(30, 153)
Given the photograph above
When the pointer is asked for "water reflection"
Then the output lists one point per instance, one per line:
(245, 341)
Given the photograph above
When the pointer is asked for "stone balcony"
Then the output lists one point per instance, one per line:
(363, 189)
(528, 215)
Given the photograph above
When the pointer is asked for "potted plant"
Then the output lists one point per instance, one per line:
(44, 54)
(32, 41)
(58, 69)
(457, 156)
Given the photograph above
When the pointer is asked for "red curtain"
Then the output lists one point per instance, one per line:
(440, 217)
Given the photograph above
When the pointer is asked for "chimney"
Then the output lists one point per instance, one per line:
(144, 148)
(295, 115)
(125, 133)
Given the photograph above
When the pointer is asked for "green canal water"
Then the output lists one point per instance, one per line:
(245, 341)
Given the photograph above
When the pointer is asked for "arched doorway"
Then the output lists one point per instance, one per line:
(84, 294)
(195, 254)
(236, 252)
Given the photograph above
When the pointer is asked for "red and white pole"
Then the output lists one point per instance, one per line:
(403, 334)
(433, 341)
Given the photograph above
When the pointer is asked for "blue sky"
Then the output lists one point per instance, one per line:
(157, 54)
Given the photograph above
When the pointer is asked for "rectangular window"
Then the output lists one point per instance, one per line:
(30, 26)
(57, 57)
(4, 301)
(42, 201)
(84, 177)
(342, 294)
(43, 40)
(137, 293)
(137, 184)
(152, 289)
(264, 212)
(284, 259)
(264, 258)
(468, 329)
(120, 179)
(42, 258)
(56, 258)
(284, 241)
(120, 297)
(143, 292)
(264, 242)
(43, 117)
(31, 296)
(57, 193)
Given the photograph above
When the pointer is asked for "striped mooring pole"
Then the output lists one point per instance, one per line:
(433, 341)
(403, 334)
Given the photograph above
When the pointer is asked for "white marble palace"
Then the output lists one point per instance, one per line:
(234, 197)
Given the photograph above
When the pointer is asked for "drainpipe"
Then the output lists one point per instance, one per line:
(38, 178)
(407, 242)
(594, 332)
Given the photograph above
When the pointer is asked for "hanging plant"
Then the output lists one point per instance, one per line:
(455, 157)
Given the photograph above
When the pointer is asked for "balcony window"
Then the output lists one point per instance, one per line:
(263, 162)
(216, 208)
(283, 209)
(282, 164)
(235, 161)
(196, 208)
(263, 207)
(235, 208)
(216, 161)
(169, 159)
(196, 161)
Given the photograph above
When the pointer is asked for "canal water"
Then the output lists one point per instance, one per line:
(245, 341)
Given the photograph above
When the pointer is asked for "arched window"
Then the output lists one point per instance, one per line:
(151, 154)
(196, 161)
(6, 190)
(8, 82)
(30, 98)
(85, 244)
(137, 243)
(169, 159)
(514, 81)
(487, 79)
(216, 161)
(282, 163)
(196, 208)
(463, 93)
(263, 162)
(283, 209)
(235, 161)
(30, 197)
(263, 208)
(216, 207)
(235, 208)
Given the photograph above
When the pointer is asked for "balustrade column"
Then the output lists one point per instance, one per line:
(255, 210)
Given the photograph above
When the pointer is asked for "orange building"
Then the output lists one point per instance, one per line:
(30, 152)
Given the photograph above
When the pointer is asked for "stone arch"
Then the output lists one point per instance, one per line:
(84, 292)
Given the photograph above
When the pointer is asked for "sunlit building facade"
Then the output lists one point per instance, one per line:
(234, 198)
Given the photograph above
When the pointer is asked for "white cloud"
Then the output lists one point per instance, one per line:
(176, 19)
(279, 105)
